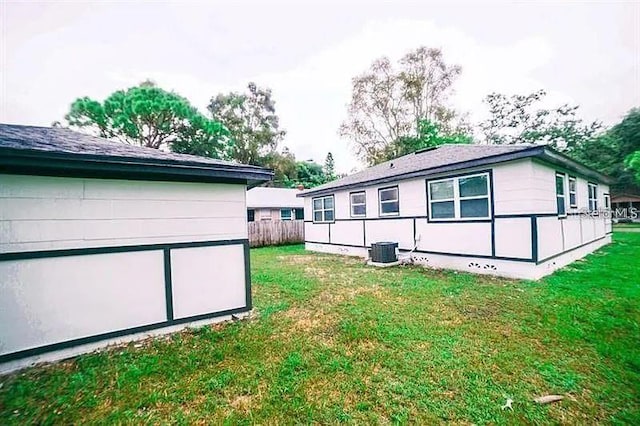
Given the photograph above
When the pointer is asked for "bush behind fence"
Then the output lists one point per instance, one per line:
(273, 233)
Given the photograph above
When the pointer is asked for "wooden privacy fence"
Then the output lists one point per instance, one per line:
(272, 233)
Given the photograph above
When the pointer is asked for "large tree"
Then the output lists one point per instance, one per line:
(615, 152)
(388, 104)
(523, 119)
(284, 166)
(251, 121)
(149, 116)
(633, 164)
(309, 174)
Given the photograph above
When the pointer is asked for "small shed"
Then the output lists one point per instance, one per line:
(274, 204)
(520, 211)
(102, 242)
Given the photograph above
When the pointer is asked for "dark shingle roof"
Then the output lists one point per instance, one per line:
(443, 159)
(61, 140)
(45, 145)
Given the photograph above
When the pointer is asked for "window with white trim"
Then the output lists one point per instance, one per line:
(561, 202)
(463, 197)
(607, 202)
(358, 204)
(285, 214)
(323, 209)
(593, 197)
(573, 201)
(389, 200)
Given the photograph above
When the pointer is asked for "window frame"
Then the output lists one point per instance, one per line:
(323, 210)
(595, 196)
(564, 194)
(380, 202)
(457, 217)
(607, 201)
(295, 213)
(351, 204)
(251, 215)
(290, 214)
(573, 179)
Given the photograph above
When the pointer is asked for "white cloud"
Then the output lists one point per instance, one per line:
(53, 54)
(311, 98)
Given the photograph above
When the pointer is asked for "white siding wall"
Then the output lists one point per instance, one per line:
(44, 213)
(318, 232)
(543, 188)
(550, 237)
(572, 232)
(558, 235)
(396, 230)
(342, 204)
(45, 301)
(56, 299)
(347, 232)
(461, 238)
(207, 279)
(514, 188)
(513, 237)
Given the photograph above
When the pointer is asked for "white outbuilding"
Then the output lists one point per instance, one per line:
(274, 204)
(102, 242)
(519, 211)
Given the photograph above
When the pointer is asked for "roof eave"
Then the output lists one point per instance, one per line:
(17, 161)
(542, 151)
(552, 156)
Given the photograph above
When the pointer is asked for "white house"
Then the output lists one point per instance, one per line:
(519, 210)
(274, 204)
(103, 242)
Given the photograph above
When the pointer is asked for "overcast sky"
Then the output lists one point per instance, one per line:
(584, 53)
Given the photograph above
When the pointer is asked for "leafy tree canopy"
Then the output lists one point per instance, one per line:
(284, 166)
(522, 119)
(388, 103)
(633, 164)
(149, 116)
(252, 123)
(309, 174)
(614, 152)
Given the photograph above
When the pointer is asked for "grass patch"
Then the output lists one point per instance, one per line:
(336, 341)
(626, 226)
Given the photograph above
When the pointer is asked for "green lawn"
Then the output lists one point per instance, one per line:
(335, 341)
(626, 225)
